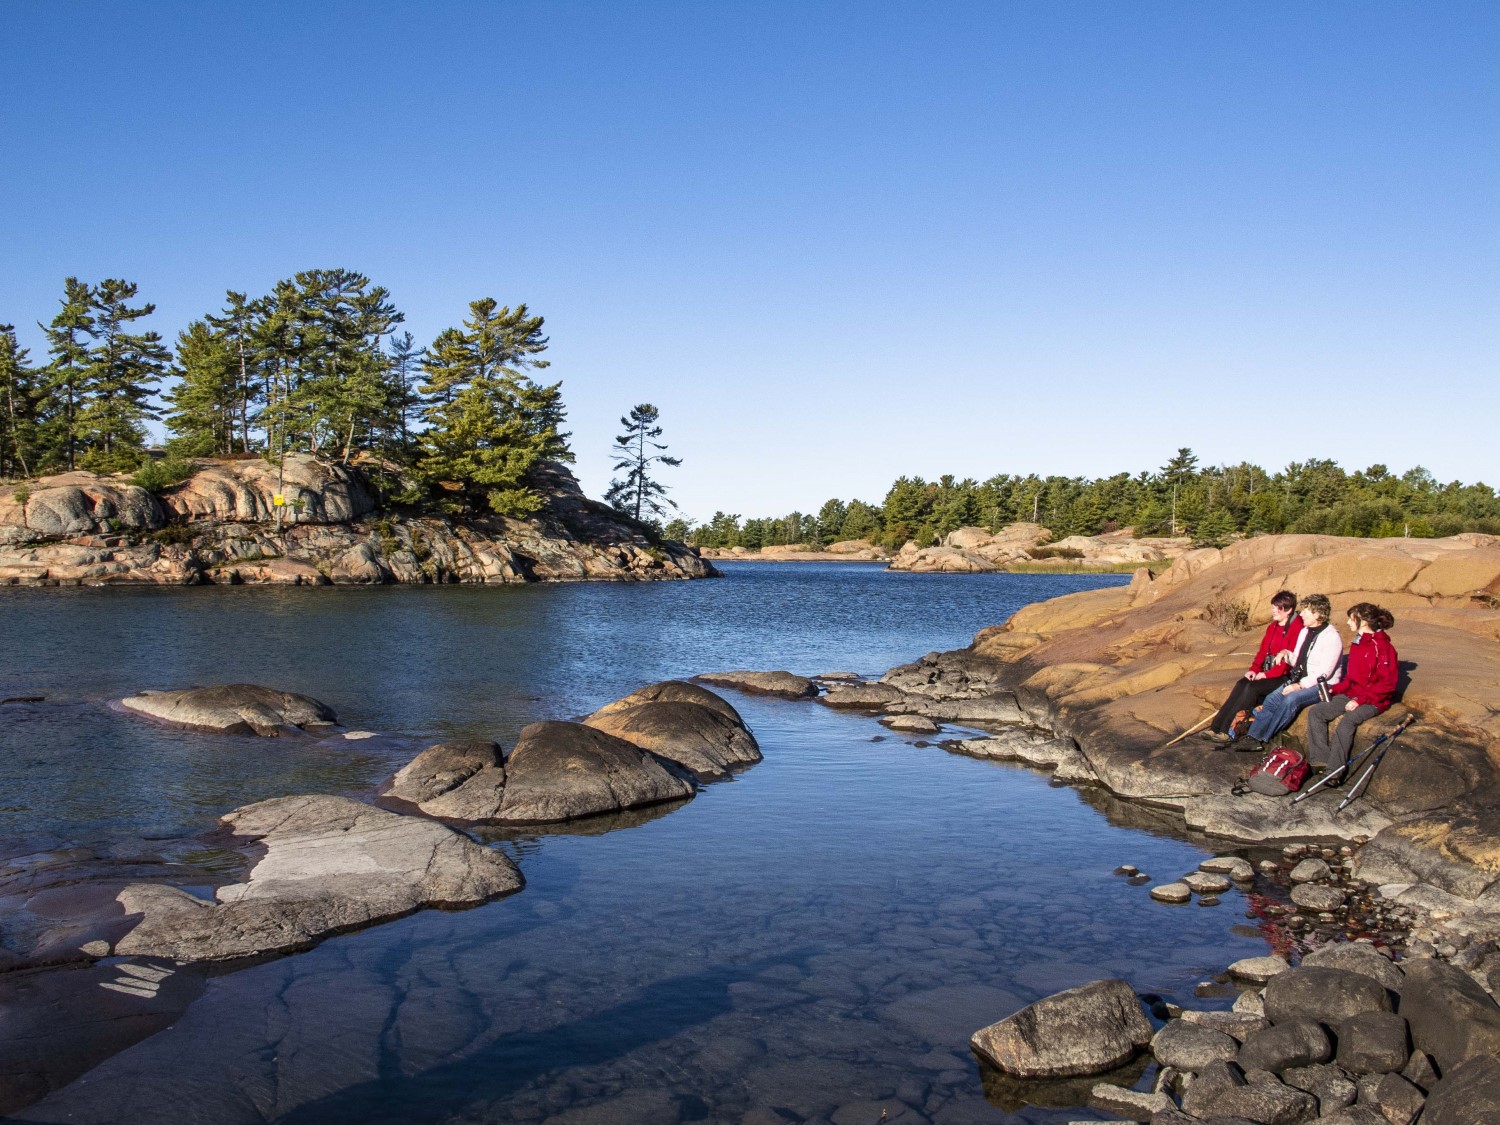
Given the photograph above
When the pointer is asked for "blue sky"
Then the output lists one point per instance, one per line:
(833, 243)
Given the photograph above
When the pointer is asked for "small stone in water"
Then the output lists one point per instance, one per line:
(1258, 969)
(1269, 866)
(1292, 851)
(1171, 892)
(1138, 880)
(1209, 900)
(1127, 869)
(1201, 882)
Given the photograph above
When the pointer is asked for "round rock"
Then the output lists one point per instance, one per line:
(1317, 898)
(1204, 883)
(1311, 870)
(1357, 958)
(1172, 892)
(1081, 1031)
(697, 738)
(558, 771)
(1232, 865)
(1190, 1047)
(1328, 996)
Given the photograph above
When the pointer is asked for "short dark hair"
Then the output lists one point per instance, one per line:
(1284, 599)
(1319, 604)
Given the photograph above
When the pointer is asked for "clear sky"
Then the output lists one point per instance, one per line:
(832, 242)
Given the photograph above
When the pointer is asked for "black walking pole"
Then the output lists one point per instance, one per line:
(1333, 775)
(1358, 787)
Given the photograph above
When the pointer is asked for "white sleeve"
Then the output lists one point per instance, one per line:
(1324, 658)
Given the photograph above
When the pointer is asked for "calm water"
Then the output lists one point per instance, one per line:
(817, 937)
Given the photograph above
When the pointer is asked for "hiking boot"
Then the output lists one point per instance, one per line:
(1219, 738)
(1251, 746)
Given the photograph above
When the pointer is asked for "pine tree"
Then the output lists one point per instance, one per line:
(204, 407)
(124, 368)
(403, 358)
(66, 385)
(236, 326)
(18, 407)
(639, 495)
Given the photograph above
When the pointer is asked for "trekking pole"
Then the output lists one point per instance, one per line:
(1359, 784)
(1194, 729)
(1354, 766)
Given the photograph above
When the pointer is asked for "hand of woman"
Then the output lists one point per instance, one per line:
(1257, 675)
(1351, 705)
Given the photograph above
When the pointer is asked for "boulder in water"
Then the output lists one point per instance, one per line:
(1084, 1030)
(674, 691)
(233, 709)
(784, 684)
(695, 737)
(459, 780)
(558, 771)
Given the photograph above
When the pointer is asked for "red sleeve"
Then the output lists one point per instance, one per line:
(1292, 632)
(1265, 649)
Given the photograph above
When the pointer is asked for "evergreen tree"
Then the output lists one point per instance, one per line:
(204, 407)
(639, 494)
(404, 358)
(18, 407)
(67, 375)
(124, 368)
(236, 325)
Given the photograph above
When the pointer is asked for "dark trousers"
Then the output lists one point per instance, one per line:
(1244, 696)
(1319, 716)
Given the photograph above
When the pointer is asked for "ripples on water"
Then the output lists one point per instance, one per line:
(819, 935)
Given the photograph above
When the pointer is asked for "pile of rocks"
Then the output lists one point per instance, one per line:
(1348, 1037)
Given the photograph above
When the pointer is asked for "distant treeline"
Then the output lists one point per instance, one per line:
(316, 364)
(1208, 503)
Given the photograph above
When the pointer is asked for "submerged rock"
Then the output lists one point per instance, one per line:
(783, 684)
(233, 709)
(1081, 1031)
(331, 864)
(558, 771)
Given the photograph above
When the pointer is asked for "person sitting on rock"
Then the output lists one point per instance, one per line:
(1315, 659)
(1267, 671)
(1365, 690)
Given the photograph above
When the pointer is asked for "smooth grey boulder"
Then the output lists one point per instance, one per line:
(674, 691)
(1207, 1085)
(1327, 996)
(911, 724)
(1317, 897)
(1353, 1115)
(1330, 1085)
(444, 767)
(1311, 870)
(1258, 969)
(1294, 1043)
(1467, 1094)
(1191, 1047)
(1232, 865)
(1357, 957)
(233, 709)
(1451, 1017)
(559, 771)
(1133, 1105)
(1237, 1025)
(1373, 1043)
(693, 736)
(76, 503)
(1080, 1031)
(459, 780)
(330, 865)
(783, 684)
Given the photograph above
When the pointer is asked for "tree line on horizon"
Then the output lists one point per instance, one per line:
(1207, 503)
(316, 365)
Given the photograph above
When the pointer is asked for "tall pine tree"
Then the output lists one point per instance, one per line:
(639, 494)
(18, 407)
(124, 368)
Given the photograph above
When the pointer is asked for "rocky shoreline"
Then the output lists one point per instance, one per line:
(220, 526)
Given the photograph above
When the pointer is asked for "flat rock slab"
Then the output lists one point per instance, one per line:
(1080, 1031)
(330, 865)
(1172, 892)
(784, 684)
(1317, 897)
(911, 724)
(1232, 865)
(559, 771)
(1258, 970)
(863, 697)
(233, 709)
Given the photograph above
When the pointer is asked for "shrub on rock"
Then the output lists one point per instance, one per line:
(1080, 1031)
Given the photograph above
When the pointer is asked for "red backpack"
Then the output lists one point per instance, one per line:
(1282, 771)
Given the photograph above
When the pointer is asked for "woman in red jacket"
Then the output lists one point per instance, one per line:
(1365, 690)
(1267, 671)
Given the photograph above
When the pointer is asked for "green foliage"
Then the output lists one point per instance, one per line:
(1210, 504)
(639, 494)
(174, 535)
(158, 476)
(20, 418)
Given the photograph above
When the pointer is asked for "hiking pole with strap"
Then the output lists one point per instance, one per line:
(1333, 775)
(1359, 784)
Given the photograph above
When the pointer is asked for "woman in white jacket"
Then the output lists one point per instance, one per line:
(1316, 658)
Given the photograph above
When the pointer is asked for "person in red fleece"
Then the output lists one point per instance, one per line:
(1365, 690)
(1267, 672)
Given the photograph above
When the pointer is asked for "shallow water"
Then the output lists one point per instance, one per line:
(819, 935)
